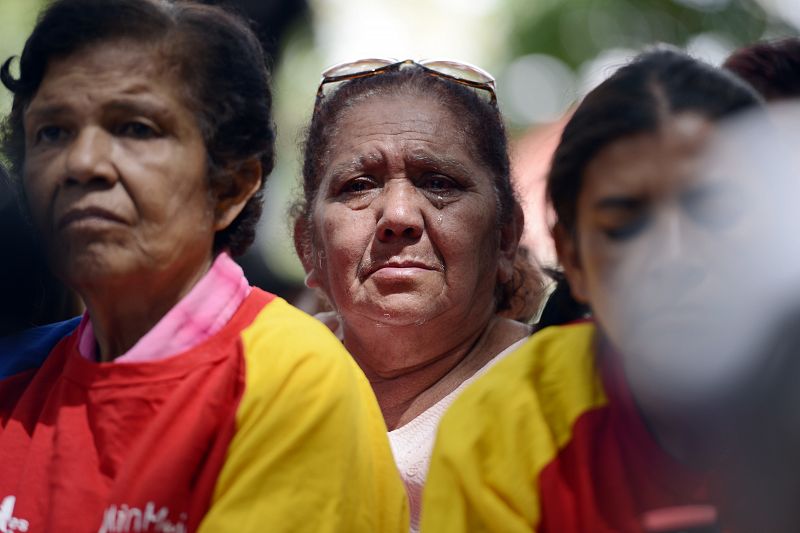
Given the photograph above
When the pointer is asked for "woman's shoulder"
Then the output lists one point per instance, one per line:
(562, 355)
(534, 393)
(507, 426)
(284, 345)
(271, 315)
(29, 348)
(307, 415)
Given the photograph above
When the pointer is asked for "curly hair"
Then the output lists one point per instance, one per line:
(482, 125)
(218, 58)
(772, 68)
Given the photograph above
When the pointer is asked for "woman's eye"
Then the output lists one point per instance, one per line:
(137, 130)
(717, 208)
(50, 134)
(627, 230)
(358, 185)
(438, 183)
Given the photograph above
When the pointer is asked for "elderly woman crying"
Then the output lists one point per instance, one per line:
(410, 226)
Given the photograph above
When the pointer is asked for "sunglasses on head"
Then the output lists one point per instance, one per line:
(462, 73)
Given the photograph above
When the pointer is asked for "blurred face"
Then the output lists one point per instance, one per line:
(115, 168)
(405, 222)
(654, 254)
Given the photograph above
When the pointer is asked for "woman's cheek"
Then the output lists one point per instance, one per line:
(343, 247)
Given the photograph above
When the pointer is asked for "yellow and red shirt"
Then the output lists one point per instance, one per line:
(549, 440)
(267, 425)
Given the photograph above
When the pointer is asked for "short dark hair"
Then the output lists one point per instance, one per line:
(772, 68)
(219, 59)
(636, 99)
(482, 125)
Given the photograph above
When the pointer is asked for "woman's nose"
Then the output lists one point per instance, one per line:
(401, 215)
(89, 158)
(676, 251)
(673, 233)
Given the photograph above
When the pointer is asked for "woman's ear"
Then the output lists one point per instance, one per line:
(569, 258)
(510, 234)
(230, 202)
(302, 245)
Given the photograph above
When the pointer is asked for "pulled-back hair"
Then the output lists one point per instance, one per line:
(636, 99)
(482, 123)
(219, 61)
(483, 130)
(772, 68)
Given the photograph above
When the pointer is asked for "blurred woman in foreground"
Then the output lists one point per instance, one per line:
(186, 400)
(619, 423)
(410, 226)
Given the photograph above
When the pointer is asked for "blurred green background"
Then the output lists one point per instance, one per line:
(545, 54)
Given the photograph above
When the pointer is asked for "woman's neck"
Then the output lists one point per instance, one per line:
(123, 311)
(404, 389)
(696, 434)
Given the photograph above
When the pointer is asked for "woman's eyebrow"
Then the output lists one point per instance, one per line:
(123, 105)
(357, 163)
(618, 202)
(46, 112)
(426, 159)
(138, 106)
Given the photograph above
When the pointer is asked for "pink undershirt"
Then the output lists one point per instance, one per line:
(199, 314)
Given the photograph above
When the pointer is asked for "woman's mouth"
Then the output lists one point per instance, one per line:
(88, 216)
(398, 270)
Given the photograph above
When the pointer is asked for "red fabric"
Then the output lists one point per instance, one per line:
(112, 446)
(612, 472)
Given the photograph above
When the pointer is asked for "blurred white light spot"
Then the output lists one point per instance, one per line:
(705, 5)
(537, 88)
(473, 7)
(596, 70)
(416, 29)
(710, 47)
(786, 9)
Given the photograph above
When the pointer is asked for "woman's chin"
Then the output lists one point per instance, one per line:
(94, 270)
(689, 372)
(395, 310)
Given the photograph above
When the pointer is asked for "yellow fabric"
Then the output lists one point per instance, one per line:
(310, 451)
(500, 433)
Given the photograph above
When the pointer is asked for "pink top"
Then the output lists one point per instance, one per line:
(199, 315)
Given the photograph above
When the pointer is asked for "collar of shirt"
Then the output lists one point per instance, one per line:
(198, 316)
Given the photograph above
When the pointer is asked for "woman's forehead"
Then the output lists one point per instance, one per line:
(95, 56)
(398, 107)
(372, 156)
(416, 124)
(118, 70)
(660, 161)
